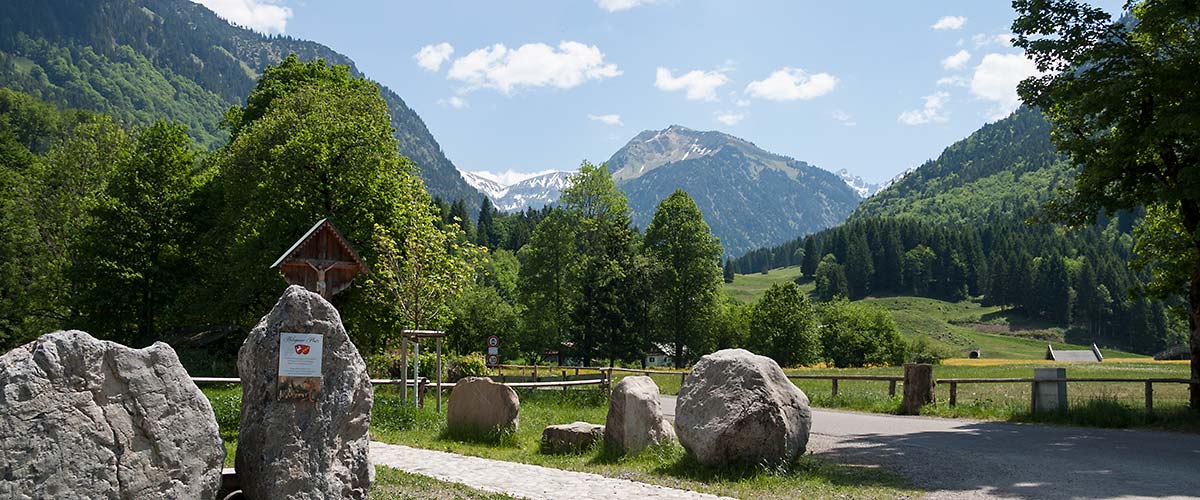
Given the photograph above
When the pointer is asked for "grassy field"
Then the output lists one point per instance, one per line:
(399, 423)
(392, 484)
(958, 326)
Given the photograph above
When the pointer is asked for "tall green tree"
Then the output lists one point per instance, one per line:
(831, 279)
(783, 326)
(604, 241)
(485, 229)
(133, 260)
(687, 274)
(858, 334)
(812, 257)
(1121, 95)
(549, 283)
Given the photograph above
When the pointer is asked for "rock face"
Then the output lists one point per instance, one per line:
(479, 406)
(85, 418)
(299, 448)
(568, 438)
(738, 407)
(635, 418)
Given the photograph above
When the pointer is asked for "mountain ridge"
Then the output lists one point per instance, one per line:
(142, 60)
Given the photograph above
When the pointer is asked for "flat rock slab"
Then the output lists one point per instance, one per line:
(573, 437)
(522, 480)
(87, 418)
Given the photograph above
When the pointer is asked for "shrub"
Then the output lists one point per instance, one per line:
(783, 326)
(467, 365)
(855, 334)
(923, 350)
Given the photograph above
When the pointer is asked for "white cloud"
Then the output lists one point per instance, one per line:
(619, 5)
(843, 117)
(259, 15)
(956, 61)
(431, 57)
(729, 118)
(455, 102)
(955, 81)
(789, 84)
(996, 78)
(741, 103)
(983, 40)
(949, 23)
(606, 119)
(931, 112)
(531, 65)
(700, 85)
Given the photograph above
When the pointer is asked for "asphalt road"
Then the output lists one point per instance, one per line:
(955, 458)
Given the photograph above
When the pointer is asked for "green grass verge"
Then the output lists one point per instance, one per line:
(392, 484)
(395, 422)
(667, 465)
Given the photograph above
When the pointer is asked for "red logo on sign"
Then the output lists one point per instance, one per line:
(302, 348)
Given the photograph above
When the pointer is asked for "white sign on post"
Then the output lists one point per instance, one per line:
(300, 365)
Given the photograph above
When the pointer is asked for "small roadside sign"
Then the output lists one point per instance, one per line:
(493, 341)
(493, 360)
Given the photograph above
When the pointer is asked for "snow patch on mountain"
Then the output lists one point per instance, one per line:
(515, 191)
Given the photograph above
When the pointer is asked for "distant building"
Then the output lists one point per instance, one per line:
(1083, 355)
(661, 354)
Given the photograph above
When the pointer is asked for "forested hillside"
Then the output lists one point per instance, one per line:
(1001, 172)
(141, 60)
(956, 228)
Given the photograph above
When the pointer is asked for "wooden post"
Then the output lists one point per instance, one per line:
(422, 386)
(1033, 397)
(564, 377)
(918, 387)
(953, 393)
(416, 372)
(439, 374)
(1149, 397)
(404, 363)
(682, 377)
(535, 375)
(835, 387)
(891, 388)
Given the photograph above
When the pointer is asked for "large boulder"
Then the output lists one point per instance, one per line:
(635, 418)
(479, 406)
(301, 448)
(86, 418)
(738, 407)
(568, 438)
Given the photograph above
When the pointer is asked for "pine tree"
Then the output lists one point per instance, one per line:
(812, 257)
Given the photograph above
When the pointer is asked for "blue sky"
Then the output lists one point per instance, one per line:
(524, 86)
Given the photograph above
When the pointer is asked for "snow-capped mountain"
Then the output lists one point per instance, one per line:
(512, 192)
(860, 186)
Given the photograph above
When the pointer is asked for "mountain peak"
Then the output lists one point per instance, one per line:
(511, 192)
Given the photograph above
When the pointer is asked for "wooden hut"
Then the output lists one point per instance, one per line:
(321, 261)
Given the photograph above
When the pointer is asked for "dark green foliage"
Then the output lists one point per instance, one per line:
(685, 258)
(485, 229)
(831, 279)
(784, 327)
(134, 260)
(855, 334)
(727, 271)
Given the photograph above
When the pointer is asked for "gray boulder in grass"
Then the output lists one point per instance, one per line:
(87, 418)
(301, 448)
(479, 406)
(738, 407)
(635, 418)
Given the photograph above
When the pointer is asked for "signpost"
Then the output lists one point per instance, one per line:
(493, 351)
(300, 365)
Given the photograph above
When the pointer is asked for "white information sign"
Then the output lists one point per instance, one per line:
(300, 354)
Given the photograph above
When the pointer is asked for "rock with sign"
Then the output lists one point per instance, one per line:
(87, 418)
(314, 446)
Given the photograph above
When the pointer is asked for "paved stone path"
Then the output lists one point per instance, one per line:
(521, 480)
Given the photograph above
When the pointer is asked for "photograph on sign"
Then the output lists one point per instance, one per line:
(300, 365)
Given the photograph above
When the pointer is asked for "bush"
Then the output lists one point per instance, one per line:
(855, 334)
(923, 350)
(783, 326)
(468, 365)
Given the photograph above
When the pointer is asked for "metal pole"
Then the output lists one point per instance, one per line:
(416, 369)
(404, 370)
(439, 374)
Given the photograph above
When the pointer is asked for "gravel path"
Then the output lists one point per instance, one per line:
(956, 458)
(522, 480)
